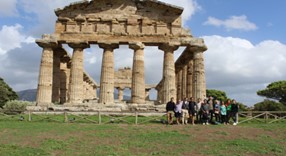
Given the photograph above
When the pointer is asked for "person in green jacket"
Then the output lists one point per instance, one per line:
(228, 111)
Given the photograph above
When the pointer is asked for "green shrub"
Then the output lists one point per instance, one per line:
(15, 107)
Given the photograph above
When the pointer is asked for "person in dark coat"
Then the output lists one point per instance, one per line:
(234, 112)
(170, 108)
(192, 110)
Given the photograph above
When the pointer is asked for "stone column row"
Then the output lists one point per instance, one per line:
(184, 81)
(191, 77)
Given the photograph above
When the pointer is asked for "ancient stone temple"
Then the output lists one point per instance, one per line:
(110, 23)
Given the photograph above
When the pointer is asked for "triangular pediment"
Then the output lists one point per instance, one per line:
(120, 10)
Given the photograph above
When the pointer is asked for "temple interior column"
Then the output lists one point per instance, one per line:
(120, 94)
(138, 78)
(199, 88)
(147, 94)
(76, 73)
(107, 73)
(184, 82)
(56, 78)
(179, 84)
(44, 92)
(190, 79)
(65, 77)
(169, 76)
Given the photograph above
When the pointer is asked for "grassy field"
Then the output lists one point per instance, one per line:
(55, 138)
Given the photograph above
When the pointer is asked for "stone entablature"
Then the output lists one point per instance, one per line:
(110, 23)
(120, 17)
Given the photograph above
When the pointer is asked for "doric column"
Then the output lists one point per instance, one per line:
(120, 94)
(107, 73)
(169, 79)
(138, 79)
(184, 81)
(76, 73)
(199, 86)
(147, 94)
(179, 84)
(65, 77)
(56, 77)
(190, 79)
(44, 92)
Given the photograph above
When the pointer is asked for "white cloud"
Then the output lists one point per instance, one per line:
(11, 38)
(233, 23)
(241, 68)
(8, 8)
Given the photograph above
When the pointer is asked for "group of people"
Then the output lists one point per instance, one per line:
(207, 111)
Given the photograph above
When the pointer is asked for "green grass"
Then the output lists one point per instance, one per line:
(47, 137)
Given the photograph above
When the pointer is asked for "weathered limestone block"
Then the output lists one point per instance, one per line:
(119, 27)
(138, 78)
(76, 75)
(162, 29)
(88, 28)
(60, 27)
(72, 27)
(107, 73)
(104, 27)
(169, 79)
(133, 26)
(44, 92)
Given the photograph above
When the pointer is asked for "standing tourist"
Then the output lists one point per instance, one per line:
(217, 111)
(170, 108)
(192, 110)
(228, 111)
(205, 112)
(178, 111)
(234, 112)
(223, 112)
(185, 113)
(198, 110)
(211, 111)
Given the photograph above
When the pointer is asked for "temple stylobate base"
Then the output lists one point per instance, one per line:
(62, 78)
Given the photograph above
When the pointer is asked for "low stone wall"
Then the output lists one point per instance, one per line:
(91, 107)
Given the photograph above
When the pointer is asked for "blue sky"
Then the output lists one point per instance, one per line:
(245, 38)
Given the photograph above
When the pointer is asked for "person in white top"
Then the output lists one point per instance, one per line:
(178, 111)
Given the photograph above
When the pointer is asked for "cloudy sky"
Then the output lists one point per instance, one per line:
(246, 43)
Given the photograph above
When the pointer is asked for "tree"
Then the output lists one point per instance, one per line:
(217, 94)
(276, 91)
(269, 105)
(242, 107)
(6, 93)
(221, 96)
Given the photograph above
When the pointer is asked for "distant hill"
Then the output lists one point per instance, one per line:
(31, 94)
(27, 95)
